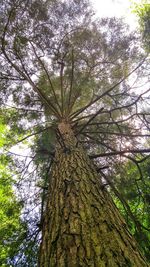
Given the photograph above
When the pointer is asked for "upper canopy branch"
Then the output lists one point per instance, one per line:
(48, 76)
(23, 73)
(76, 113)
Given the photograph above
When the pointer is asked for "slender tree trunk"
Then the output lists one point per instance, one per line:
(82, 226)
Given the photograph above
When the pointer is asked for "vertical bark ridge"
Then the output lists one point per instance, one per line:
(82, 226)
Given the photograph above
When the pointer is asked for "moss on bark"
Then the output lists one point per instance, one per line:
(82, 226)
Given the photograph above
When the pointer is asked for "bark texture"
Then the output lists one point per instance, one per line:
(82, 226)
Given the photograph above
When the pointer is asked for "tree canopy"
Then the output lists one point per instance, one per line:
(59, 63)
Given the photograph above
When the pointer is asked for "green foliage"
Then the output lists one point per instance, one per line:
(10, 225)
(2, 134)
(134, 187)
(142, 10)
(10, 208)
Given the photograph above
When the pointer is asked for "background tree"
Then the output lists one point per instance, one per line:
(130, 187)
(58, 66)
(10, 208)
(142, 10)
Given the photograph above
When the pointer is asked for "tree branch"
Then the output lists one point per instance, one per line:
(92, 118)
(47, 74)
(76, 113)
(24, 74)
(115, 153)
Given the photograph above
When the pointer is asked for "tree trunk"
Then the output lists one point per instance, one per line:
(82, 226)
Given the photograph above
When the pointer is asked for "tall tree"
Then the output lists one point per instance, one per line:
(72, 81)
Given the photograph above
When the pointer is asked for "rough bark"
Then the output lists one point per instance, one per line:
(82, 226)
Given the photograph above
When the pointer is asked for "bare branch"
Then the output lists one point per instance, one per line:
(92, 118)
(26, 137)
(71, 82)
(24, 74)
(115, 153)
(47, 74)
(119, 134)
(75, 114)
